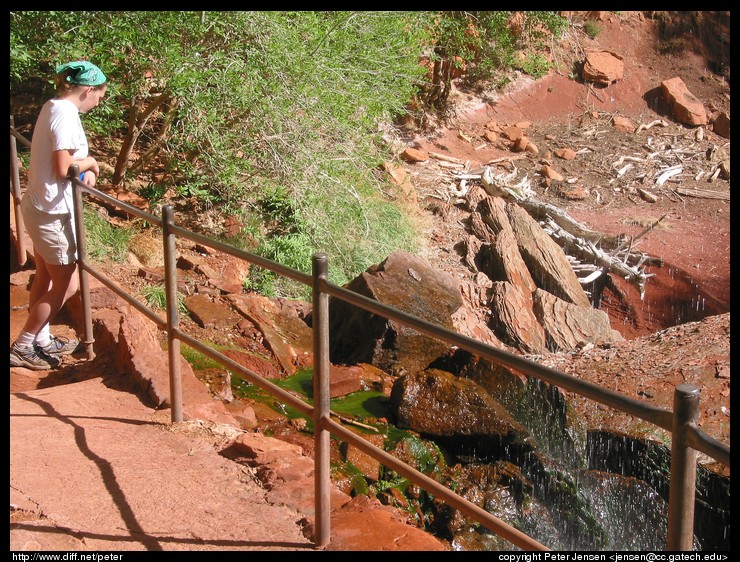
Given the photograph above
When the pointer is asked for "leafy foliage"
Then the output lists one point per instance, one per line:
(535, 65)
(591, 28)
(270, 115)
(481, 43)
(104, 241)
(156, 298)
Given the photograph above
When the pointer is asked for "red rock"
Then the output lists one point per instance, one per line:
(578, 193)
(603, 67)
(377, 522)
(414, 155)
(513, 133)
(623, 124)
(565, 153)
(721, 125)
(686, 107)
(520, 144)
(397, 174)
(551, 174)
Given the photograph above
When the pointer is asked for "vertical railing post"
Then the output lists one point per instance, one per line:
(173, 318)
(321, 380)
(683, 470)
(15, 186)
(80, 239)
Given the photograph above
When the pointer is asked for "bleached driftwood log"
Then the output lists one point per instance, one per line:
(586, 250)
(502, 186)
(542, 211)
(607, 253)
(703, 193)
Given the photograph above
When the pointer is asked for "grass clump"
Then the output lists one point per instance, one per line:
(105, 242)
(591, 28)
(156, 298)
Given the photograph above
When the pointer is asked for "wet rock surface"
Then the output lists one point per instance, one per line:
(407, 283)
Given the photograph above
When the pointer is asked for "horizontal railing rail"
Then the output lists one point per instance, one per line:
(657, 416)
(687, 437)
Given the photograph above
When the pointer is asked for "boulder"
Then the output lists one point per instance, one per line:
(685, 106)
(405, 282)
(721, 125)
(603, 67)
(545, 260)
(286, 334)
(513, 320)
(567, 325)
(455, 412)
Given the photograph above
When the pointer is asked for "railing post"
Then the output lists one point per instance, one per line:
(173, 318)
(81, 240)
(683, 470)
(321, 380)
(15, 186)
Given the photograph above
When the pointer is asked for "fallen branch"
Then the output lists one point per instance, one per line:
(452, 159)
(541, 211)
(350, 421)
(669, 173)
(651, 125)
(585, 250)
(507, 158)
(569, 233)
(591, 89)
(629, 159)
(647, 229)
(646, 195)
(590, 278)
(703, 193)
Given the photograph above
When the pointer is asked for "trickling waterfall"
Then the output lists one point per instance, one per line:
(585, 489)
(568, 487)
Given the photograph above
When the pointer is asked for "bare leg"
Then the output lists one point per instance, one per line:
(52, 286)
(41, 282)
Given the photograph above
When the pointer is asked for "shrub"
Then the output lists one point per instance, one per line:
(591, 28)
(104, 241)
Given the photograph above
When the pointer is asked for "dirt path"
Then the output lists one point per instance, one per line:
(129, 472)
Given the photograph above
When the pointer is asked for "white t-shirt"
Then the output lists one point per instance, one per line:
(58, 127)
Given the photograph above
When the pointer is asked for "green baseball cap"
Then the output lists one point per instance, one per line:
(83, 73)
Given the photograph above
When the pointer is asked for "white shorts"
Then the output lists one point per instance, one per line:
(52, 235)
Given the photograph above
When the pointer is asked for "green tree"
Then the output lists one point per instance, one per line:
(273, 116)
(481, 43)
(244, 106)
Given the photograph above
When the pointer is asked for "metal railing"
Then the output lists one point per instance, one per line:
(687, 439)
(15, 190)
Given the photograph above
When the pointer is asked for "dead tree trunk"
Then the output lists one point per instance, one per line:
(136, 123)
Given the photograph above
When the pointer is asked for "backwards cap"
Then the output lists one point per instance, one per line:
(82, 73)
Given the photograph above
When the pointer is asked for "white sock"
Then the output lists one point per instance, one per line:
(43, 338)
(25, 339)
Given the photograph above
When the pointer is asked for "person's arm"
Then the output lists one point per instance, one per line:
(63, 160)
